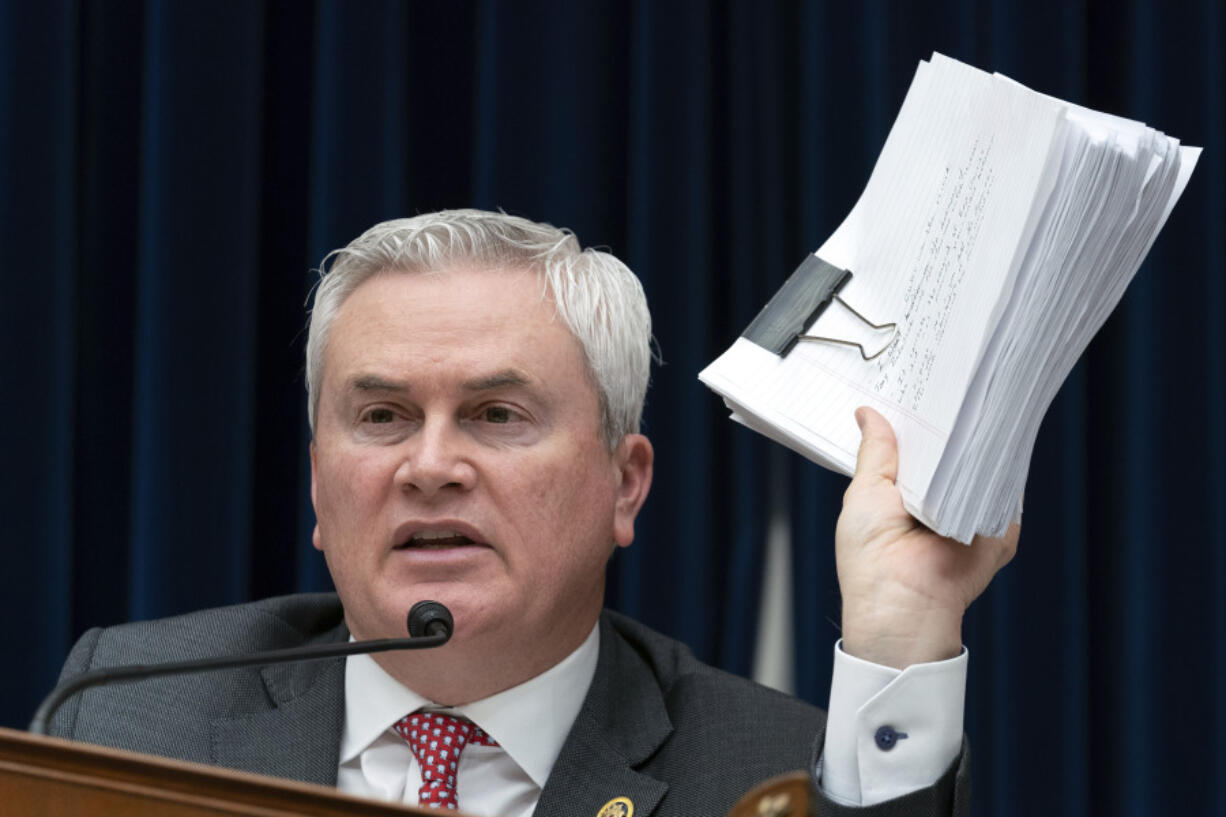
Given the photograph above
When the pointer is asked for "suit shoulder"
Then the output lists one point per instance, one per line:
(743, 731)
(689, 682)
(274, 623)
(152, 714)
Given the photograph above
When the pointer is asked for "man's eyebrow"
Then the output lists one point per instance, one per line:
(371, 382)
(497, 380)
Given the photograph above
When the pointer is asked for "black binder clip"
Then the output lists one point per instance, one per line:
(803, 297)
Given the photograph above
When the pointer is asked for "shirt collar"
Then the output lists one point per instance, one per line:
(530, 721)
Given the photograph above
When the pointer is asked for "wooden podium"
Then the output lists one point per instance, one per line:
(51, 777)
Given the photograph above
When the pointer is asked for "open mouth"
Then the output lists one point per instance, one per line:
(435, 540)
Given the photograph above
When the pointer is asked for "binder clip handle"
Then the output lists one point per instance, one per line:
(877, 326)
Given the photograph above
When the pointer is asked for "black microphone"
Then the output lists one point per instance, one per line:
(430, 625)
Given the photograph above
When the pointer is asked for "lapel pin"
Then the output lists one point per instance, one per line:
(617, 807)
(775, 805)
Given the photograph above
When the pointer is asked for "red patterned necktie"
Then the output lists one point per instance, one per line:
(437, 740)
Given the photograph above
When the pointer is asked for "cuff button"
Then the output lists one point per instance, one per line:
(887, 738)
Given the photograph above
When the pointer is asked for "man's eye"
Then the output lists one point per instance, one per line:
(380, 415)
(497, 414)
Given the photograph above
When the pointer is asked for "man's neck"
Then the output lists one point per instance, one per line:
(470, 669)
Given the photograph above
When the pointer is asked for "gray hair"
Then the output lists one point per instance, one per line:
(597, 296)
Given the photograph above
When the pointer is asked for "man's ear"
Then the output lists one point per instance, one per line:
(316, 540)
(633, 459)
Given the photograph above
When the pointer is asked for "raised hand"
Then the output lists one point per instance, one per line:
(905, 589)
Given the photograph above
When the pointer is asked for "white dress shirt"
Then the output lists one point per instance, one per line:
(529, 721)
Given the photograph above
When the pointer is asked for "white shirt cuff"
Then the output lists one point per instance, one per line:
(890, 732)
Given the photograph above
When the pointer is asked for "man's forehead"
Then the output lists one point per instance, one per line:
(473, 328)
(461, 288)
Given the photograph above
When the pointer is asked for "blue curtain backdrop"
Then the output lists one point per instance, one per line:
(171, 171)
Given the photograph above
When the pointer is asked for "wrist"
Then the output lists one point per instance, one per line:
(899, 638)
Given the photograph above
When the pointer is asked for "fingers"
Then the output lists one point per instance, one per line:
(878, 454)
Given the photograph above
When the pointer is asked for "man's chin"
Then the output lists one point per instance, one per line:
(472, 614)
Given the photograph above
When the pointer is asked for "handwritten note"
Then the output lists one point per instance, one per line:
(930, 292)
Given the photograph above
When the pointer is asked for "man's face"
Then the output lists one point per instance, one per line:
(458, 457)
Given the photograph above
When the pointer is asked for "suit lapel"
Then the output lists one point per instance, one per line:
(298, 735)
(622, 722)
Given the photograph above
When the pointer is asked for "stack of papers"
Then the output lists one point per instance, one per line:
(999, 229)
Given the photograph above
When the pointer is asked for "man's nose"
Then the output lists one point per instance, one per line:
(436, 459)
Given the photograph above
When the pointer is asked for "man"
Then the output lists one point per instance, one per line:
(475, 386)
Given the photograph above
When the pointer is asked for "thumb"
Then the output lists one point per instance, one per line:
(878, 454)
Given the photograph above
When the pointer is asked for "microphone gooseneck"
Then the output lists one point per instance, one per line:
(429, 623)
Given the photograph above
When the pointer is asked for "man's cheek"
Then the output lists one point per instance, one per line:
(345, 484)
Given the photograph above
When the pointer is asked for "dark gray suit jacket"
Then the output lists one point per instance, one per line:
(675, 736)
